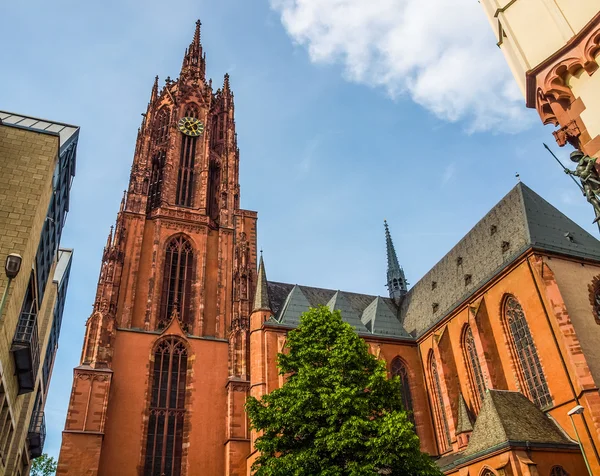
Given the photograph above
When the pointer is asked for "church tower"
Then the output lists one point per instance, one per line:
(164, 368)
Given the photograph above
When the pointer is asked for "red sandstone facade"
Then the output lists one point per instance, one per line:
(184, 329)
(179, 268)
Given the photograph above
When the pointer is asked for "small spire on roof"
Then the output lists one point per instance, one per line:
(261, 296)
(396, 281)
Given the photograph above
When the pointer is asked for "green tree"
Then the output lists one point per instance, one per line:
(43, 466)
(337, 413)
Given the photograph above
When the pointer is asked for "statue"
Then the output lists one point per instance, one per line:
(589, 177)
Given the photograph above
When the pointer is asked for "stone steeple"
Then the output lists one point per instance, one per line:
(194, 61)
(396, 281)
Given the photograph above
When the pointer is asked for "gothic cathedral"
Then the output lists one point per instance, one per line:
(496, 346)
(164, 367)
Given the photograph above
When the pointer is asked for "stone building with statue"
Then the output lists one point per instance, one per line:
(496, 346)
(553, 50)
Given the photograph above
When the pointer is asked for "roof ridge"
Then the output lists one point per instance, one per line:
(27, 116)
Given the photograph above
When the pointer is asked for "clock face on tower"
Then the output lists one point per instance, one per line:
(190, 126)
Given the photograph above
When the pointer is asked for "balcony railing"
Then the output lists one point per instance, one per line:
(26, 352)
(36, 434)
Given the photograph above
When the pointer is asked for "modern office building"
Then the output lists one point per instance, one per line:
(37, 165)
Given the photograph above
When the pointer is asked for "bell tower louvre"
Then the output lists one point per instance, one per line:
(164, 369)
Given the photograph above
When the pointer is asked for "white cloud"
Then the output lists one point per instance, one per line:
(440, 52)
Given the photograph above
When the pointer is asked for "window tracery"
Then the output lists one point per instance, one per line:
(214, 179)
(526, 353)
(187, 157)
(177, 282)
(441, 421)
(156, 180)
(558, 471)
(164, 441)
(473, 366)
(398, 369)
(161, 131)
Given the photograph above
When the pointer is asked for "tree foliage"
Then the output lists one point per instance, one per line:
(337, 413)
(43, 466)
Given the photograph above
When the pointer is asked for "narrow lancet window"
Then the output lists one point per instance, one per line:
(161, 131)
(164, 441)
(399, 370)
(177, 282)
(214, 177)
(187, 156)
(525, 353)
(156, 180)
(473, 367)
(441, 421)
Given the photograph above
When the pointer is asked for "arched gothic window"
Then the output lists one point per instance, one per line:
(558, 471)
(185, 176)
(399, 370)
(164, 441)
(156, 180)
(177, 282)
(161, 130)
(488, 472)
(214, 177)
(441, 422)
(473, 366)
(526, 354)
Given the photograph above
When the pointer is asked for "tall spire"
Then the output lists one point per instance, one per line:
(396, 282)
(194, 62)
(261, 297)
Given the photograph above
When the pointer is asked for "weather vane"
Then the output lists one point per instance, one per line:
(588, 175)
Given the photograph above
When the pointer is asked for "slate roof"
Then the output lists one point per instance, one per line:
(465, 418)
(66, 132)
(521, 220)
(288, 301)
(511, 417)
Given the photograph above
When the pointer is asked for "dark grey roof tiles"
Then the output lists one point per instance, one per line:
(288, 301)
(380, 319)
(465, 418)
(339, 302)
(521, 220)
(510, 417)
(551, 230)
(294, 305)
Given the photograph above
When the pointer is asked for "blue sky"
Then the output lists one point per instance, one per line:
(347, 114)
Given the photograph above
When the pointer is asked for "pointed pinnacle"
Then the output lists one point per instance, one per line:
(110, 236)
(154, 93)
(197, 33)
(226, 82)
(261, 296)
